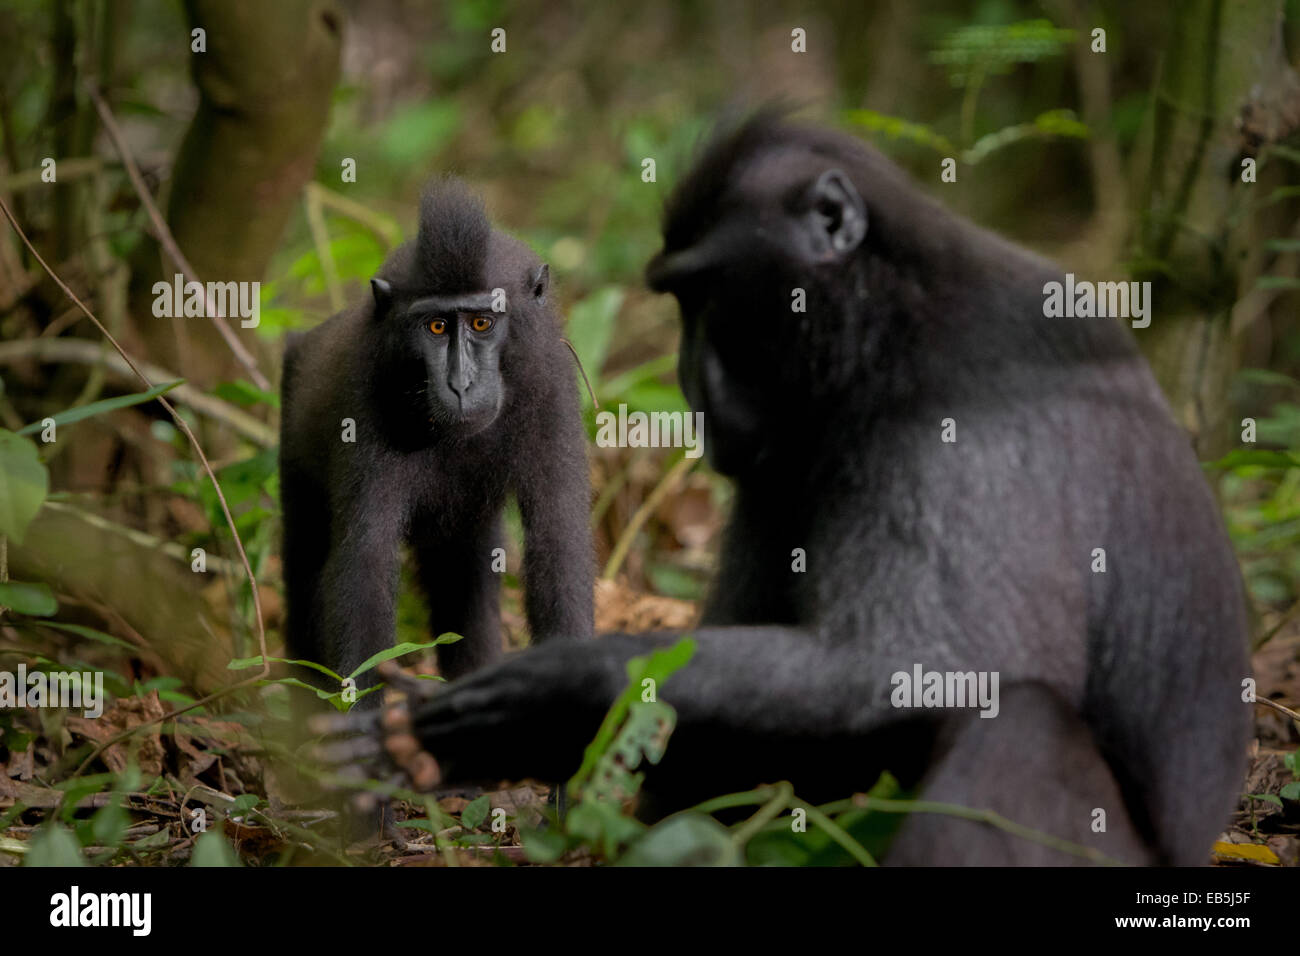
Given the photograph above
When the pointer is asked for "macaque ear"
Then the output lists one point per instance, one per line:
(836, 222)
(541, 280)
(383, 295)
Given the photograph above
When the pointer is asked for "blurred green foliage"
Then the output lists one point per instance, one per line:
(977, 51)
(1261, 494)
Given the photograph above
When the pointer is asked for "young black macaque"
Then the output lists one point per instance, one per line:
(411, 418)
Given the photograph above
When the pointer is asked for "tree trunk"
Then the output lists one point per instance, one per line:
(265, 86)
(1192, 231)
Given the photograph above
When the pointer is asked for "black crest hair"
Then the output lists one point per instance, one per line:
(451, 252)
(693, 203)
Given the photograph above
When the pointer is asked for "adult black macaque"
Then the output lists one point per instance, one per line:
(1119, 689)
(455, 388)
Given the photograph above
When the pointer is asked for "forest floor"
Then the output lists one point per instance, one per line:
(222, 763)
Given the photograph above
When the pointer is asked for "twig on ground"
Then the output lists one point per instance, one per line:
(661, 491)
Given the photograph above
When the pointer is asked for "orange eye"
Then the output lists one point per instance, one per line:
(481, 323)
(438, 326)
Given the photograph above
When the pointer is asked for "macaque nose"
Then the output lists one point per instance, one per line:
(459, 375)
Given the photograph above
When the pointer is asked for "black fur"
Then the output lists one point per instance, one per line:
(1120, 690)
(453, 239)
(431, 466)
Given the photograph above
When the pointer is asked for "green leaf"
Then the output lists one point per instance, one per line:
(211, 849)
(671, 580)
(654, 396)
(658, 667)
(23, 484)
(591, 327)
(475, 812)
(406, 647)
(1061, 123)
(340, 704)
(109, 823)
(1053, 123)
(277, 320)
(294, 682)
(1283, 152)
(684, 839)
(54, 845)
(418, 823)
(240, 392)
(661, 664)
(68, 416)
(544, 846)
(1290, 791)
(241, 481)
(417, 132)
(244, 663)
(1266, 798)
(1266, 376)
(601, 824)
(896, 128)
(1259, 458)
(988, 50)
(645, 372)
(90, 633)
(28, 598)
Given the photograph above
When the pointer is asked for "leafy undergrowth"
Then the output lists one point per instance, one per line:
(207, 790)
(1266, 827)
(204, 788)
